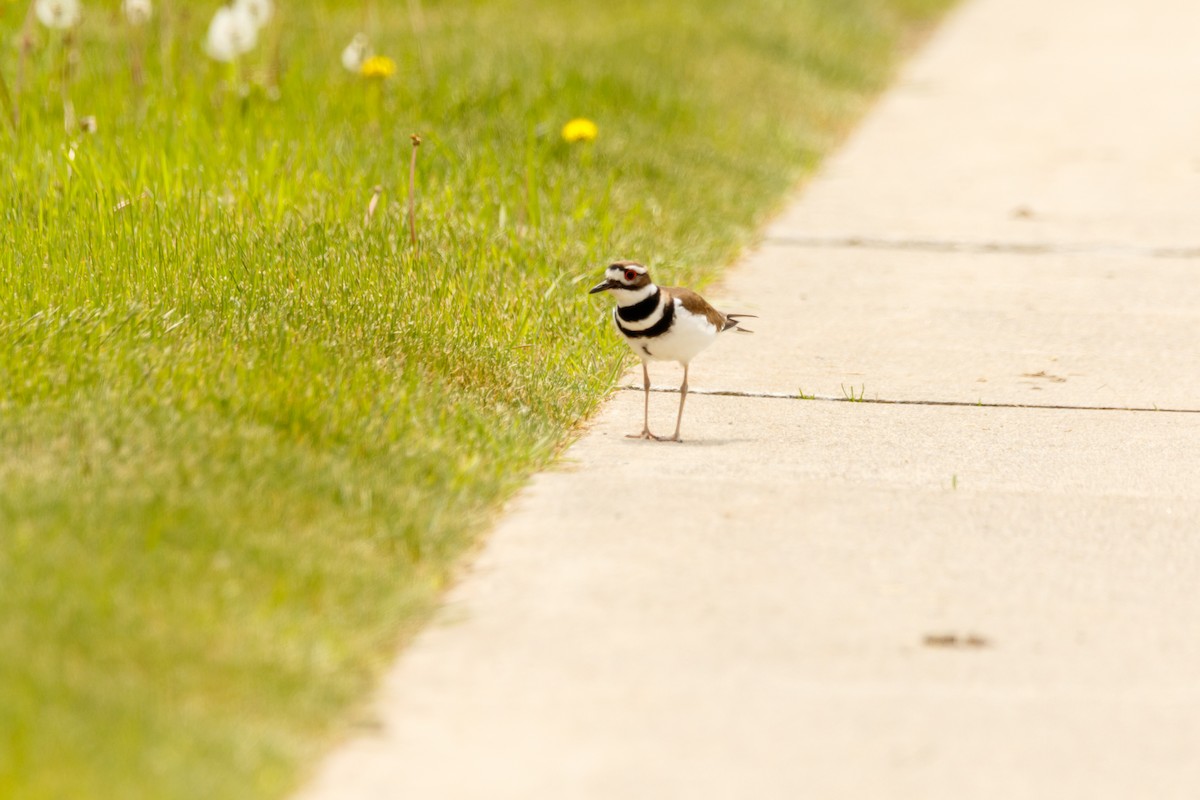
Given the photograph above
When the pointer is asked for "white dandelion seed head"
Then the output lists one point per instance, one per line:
(357, 52)
(260, 11)
(231, 33)
(138, 12)
(60, 14)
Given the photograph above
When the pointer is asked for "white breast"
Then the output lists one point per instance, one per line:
(688, 335)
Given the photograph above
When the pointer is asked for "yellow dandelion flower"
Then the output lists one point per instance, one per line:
(378, 67)
(580, 130)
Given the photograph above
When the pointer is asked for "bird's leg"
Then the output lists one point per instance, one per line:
(645, 434)
(682, 400)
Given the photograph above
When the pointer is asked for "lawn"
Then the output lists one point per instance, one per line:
(245, 431)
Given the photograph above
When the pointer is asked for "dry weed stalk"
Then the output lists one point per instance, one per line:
(412, 190)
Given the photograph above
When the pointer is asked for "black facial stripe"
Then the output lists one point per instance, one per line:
(657, 329)
(641, 309)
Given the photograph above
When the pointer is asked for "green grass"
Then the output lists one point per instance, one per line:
(243, 436)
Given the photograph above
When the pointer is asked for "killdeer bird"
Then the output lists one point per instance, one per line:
(661, 323)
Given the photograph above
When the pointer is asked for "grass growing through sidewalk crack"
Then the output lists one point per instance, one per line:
(245, 427)
(849, 396)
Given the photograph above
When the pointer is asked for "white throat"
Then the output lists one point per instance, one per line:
(629, 297)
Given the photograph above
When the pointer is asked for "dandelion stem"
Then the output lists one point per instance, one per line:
(166, 44)
(9, 109)
(532, 206)
(416, 18)
(25, 50)
(412, 190)
(135, 57)
(275, 68)
(68, 44)
(375, 102)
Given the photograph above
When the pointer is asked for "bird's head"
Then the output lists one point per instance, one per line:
(627, 276)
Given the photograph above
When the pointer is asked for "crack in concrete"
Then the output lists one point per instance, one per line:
(884, 402)
(983, 246)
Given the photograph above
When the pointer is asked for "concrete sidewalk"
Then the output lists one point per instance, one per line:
(855, 600)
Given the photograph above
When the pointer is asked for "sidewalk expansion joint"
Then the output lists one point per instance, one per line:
(883, 402)
(981, 246)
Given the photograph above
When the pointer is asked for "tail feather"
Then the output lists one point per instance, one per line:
(733, 321)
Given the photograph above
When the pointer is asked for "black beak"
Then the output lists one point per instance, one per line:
(603, 286)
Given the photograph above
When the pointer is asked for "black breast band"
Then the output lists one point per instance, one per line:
(641, 309)
(657, 329)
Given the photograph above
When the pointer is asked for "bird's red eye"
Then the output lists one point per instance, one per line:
(630, 275)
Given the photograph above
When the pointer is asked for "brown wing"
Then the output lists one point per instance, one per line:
(699, 306)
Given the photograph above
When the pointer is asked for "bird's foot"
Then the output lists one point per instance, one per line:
(645, 434)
